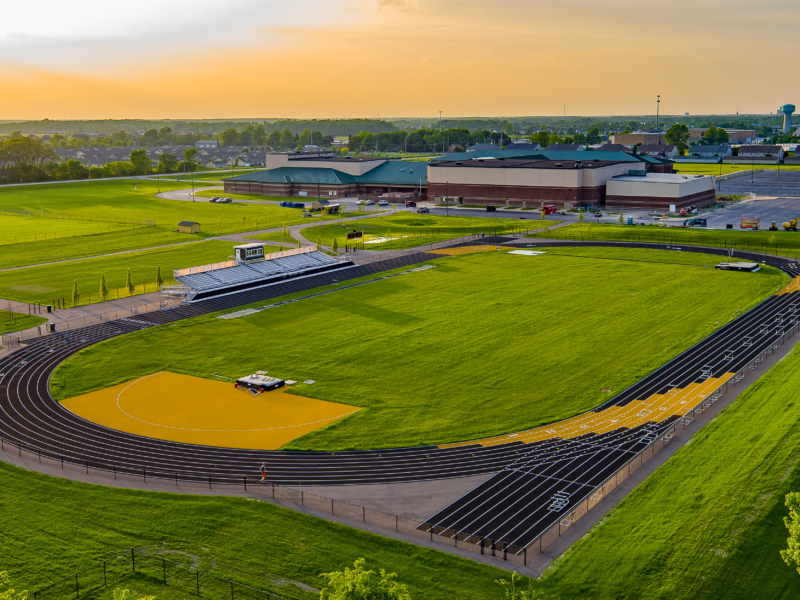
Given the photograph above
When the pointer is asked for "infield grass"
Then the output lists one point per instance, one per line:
(714, 169)
(709, 523)
(53, 527)
(408, 230)
(47, 282)
(482, 344)
(781, 243)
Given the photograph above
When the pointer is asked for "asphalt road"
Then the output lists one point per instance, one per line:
(768, 210)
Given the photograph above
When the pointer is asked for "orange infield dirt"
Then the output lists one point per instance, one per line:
(182, 408)
(464, 250)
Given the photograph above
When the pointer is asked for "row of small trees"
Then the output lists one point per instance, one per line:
(129, 286)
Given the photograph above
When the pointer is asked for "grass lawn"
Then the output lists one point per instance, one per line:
(112, 201)
(709, 523)
(407, 230)
(275, 236)
(783, 243)
(10, 321)
(52, 527)
(714, 169)
(47, 282)
(449, 353)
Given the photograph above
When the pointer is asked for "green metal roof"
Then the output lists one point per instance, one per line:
(396, 172)
(303, 175)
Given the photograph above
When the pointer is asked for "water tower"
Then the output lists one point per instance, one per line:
(786, 110)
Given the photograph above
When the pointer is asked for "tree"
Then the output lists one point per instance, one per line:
(593, 137)
(129, 283)
(791, 556)
(305, 137)
(167, 163)
(189, 154)
(716, 135)
(287, 139)
(75, 295)
(230, 137)
(142, 164)
(620, 220)
(159, 279)
(103, 288)
(580, 216)
(299, 244)
(274, 139)
(542, 138)
(7, 593)
(359, 584)
(509, 129)
(186, 166)
(281, 248)
(678, 135)
(512, 589)
(334, 245)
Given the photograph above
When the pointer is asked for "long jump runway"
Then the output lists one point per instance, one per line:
(538, 475)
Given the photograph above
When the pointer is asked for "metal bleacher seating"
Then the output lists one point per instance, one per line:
(210, 282)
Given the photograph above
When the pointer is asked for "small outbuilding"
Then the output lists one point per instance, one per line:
(189, 227)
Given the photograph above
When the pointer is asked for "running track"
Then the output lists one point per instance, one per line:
(532, 486)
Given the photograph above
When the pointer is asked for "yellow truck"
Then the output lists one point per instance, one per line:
(791, 225)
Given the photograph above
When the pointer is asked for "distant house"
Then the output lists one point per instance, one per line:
(565, 148)
(189, 227)
(639, 137)
(480, 146)
(207, 144)
(762, 152)
(663, 150)
(531, 147)
(710, 151)
(613, 148)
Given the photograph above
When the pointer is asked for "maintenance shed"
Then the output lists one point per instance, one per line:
(189, 227)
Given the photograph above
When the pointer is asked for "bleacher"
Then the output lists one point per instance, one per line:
(244, 275)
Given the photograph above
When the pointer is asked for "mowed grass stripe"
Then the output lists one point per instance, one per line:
(47, 282)
(709, 523)
(481, 345)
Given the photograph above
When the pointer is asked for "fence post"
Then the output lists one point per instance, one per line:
(231, 590)
(244, 479)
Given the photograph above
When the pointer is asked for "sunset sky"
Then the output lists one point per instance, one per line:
(360, 58)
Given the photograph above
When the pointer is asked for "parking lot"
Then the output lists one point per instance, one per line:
(768, 210)
(763, 183)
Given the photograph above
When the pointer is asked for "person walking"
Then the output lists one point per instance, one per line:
(263, 472)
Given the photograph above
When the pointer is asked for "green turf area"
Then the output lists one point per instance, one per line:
(714, 169)
(11, 321)
(275, 236)
(47, 282)
(406, 230)
(782, 243)
(113, 201)
(53, 527)
(31, 253)
(449, 353)
(709, 523)
(16, 229)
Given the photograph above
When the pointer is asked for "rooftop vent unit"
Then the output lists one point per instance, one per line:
(637, 172)
(559, 164)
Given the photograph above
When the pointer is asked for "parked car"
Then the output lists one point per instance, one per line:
(598, 214)
(360, 202)
(491, 209)
(213, 199)
(226, 200)
(369, 202)
(423, 210)
(411, 203)
(383, 203)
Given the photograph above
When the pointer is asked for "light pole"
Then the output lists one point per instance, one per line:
(658, 110)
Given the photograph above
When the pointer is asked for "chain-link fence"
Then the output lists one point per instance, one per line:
(120, 568)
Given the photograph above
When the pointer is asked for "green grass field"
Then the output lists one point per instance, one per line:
(112, 201)
(709, 523)
(782, 243)
(47, 282)
(275, 236)
(407, 230)
(724, 168)
(52, 527)
(449, 354)
(10, 321)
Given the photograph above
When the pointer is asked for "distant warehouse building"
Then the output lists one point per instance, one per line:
(661, 191)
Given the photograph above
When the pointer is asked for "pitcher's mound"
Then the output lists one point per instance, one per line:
(192, 410)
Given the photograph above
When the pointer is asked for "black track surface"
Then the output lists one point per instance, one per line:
(513, 506)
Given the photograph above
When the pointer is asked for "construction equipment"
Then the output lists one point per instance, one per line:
(774, 226)
(695, 222)
(791, 225)
(750, 223)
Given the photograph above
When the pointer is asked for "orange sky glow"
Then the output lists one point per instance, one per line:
(396, 58)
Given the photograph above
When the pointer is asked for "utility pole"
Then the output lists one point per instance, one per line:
(658, 110)
(440, 121)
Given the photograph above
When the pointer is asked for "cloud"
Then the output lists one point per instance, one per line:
(400, 4)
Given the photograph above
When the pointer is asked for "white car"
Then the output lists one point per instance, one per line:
(383, 203)
(360, 202)
(369, 202)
